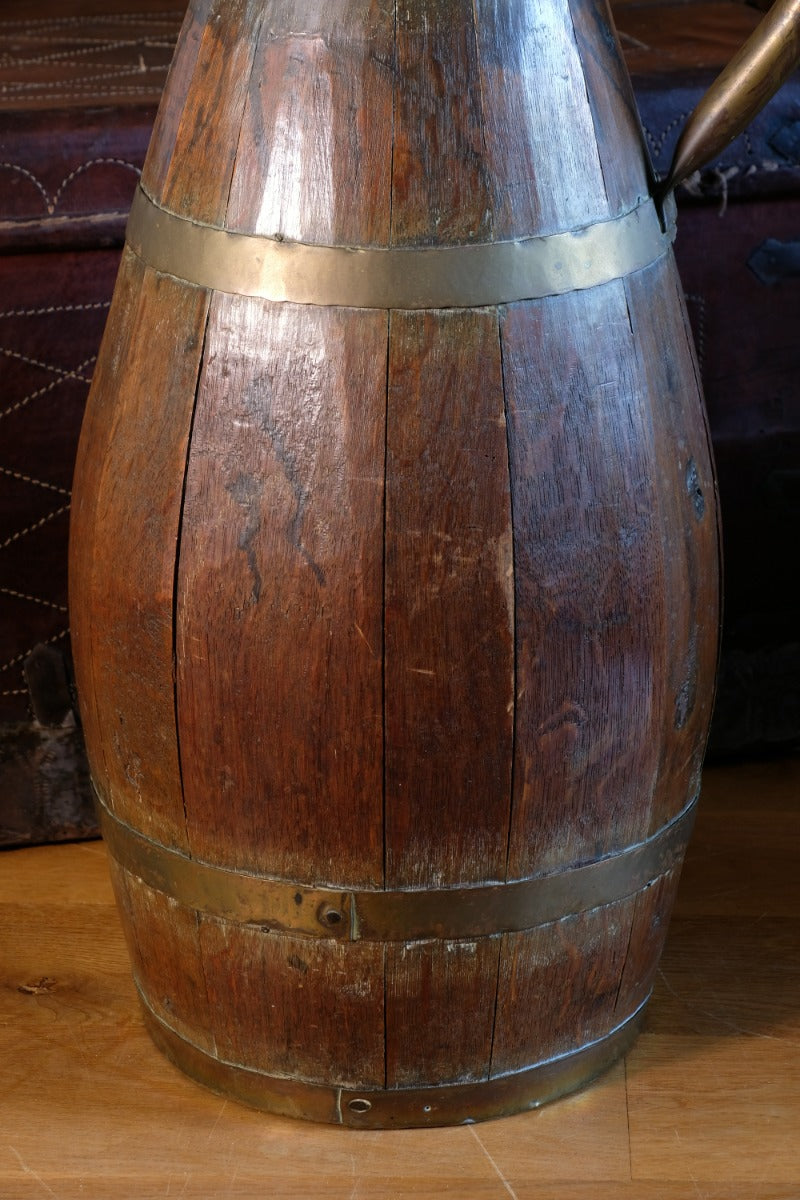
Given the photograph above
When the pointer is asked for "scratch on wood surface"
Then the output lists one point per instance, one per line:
(213, 1128)
(29, 1171)
(364, 638)
(499, 1173)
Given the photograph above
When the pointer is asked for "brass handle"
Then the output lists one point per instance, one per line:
(750, 79)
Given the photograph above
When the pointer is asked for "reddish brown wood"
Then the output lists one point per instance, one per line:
(591, 637)
(651, 916)
(441, 190)
(164, 946)
(296, 1006)
(164, 138)
(131, 466)
(546, 978)
(280, 594)
(438, 586)
(454, 1043)
(319, 115)
(623, 156)
(541, 150)
(687, 518)
(449, 658)
(192, 162)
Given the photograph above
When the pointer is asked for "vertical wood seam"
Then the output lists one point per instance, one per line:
(693, 356)
(501, 941)
(513, 749)
(589, 106)
(634, 910)
(644, 381)
(383, 599)
(176, 571)
(255, 44)
(479, 77)
(395, 74)
(385, 951)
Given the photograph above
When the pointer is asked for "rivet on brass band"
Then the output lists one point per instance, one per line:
(467, 276)
(401, 1108)
(400, 915)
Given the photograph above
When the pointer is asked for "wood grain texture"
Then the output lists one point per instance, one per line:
(704, 1107)
(298, 1007)
(129, 482)
(394, 583)
(164, 947)
(318, 117)
(454, 1043)
(541, 148)
(441, 191)
(280, 594)
(591, 642)
(627, 173)
(164, 137)
(687, 514)
(190, 163)
(559, 984)
(449, 659)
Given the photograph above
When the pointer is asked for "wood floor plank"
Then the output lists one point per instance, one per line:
(705, 1107)
(697, 1103)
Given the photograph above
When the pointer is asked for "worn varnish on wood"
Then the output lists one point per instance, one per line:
(374, 599)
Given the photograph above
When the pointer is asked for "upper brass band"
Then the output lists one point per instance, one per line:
(395, 915)
(464, 276)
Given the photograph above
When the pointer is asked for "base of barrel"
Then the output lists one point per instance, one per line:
(401, 1108)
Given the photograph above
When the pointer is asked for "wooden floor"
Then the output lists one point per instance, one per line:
(706, 1107)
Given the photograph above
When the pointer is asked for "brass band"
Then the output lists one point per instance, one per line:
(465, 276)
(401, 1108)
(395, 915)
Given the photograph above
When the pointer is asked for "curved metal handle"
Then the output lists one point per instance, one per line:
(750, 79)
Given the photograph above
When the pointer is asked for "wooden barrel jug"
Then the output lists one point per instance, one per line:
(394, 563)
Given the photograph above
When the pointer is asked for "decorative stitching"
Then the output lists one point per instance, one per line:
(51, 202)
(6, 591)
(18, 475)
(54, 308)
(100, 19)
(25, 87)
(9, 166)
(45, 366)
(48, 387)
(21, 533)
(18, 658)
(95, 93)
(100, 44)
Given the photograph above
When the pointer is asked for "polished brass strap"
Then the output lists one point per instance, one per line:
(400, 1108)
(466, 276)
(395, 915)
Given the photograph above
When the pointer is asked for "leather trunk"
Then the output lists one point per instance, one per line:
(79, 87)
(738, 252)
